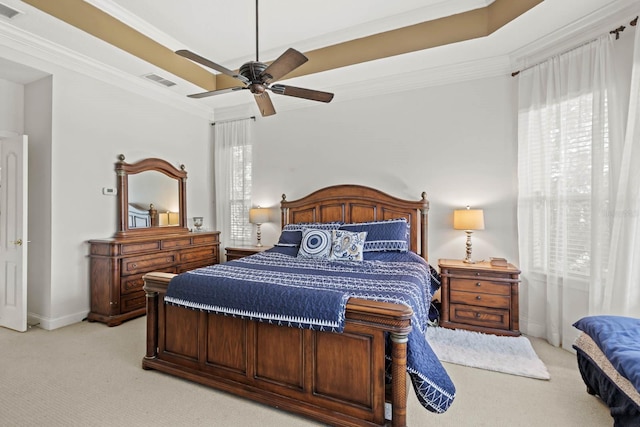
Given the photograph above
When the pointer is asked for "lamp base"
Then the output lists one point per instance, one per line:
(259, 235)
(467, 259)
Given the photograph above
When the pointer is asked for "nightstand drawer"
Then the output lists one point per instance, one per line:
(480, 285)
(479, 316)
(485, 300)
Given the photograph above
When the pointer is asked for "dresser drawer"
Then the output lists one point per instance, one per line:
(132, 248)
(133, 301)
(134, 283)
(479, 316)
(480, 299)
(176, 243)
(198, 254)
(204, 239)
(480, 285)
(144, 264)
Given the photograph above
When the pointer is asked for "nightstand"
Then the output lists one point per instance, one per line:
(479, 297)
(238, 252)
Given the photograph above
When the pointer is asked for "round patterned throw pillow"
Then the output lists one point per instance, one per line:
(315, 243)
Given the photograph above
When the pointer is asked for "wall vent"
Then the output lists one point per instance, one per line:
(160, 80)
(7, 11)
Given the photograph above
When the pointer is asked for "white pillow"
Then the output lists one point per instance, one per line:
(315, 243)
(347, 245)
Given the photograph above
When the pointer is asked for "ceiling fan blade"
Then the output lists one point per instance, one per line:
(204, 61)
(215, 92)
(299, 92)
(264, 104)
(287, 62)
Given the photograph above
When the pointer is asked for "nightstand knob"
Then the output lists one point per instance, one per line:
(477, 314)
(134, 265)
(477, 273)
(478, 284)
(478, 297)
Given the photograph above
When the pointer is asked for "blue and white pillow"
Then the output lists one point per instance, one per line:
(315, 243)
(347, 245)
(386, 235)
(301, 226)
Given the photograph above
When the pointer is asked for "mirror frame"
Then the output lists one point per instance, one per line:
(124, 169)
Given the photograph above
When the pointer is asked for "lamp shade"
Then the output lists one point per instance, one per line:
(468, 219)
(258, 215)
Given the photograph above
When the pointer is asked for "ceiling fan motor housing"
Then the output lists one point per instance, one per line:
(252, 70)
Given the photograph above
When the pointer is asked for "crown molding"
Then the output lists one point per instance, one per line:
(590, 27)
(44, 50)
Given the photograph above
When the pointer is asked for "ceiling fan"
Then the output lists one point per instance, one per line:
(258, 77)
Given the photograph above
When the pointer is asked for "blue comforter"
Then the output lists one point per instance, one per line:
(619, 339)
(277, 287)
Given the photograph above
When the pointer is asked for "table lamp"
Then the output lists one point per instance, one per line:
(468, 220)
(258, 216)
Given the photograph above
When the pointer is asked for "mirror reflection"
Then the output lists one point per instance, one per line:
(153, 200)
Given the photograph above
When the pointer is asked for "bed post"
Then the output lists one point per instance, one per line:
(284, 212)
(424, 227)
(152, 324)
(399, 378)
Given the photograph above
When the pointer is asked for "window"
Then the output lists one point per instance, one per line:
(240, 197)
(233, 150)
(563, 170)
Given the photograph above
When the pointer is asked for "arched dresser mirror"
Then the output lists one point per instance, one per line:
(152, 198)
(152, 235)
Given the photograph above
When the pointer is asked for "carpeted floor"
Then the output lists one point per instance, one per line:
(88, 374)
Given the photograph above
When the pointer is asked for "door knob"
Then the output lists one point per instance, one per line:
(17, 242)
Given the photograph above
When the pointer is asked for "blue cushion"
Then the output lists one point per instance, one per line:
(291, 235)
(290, 238)
(389, 235)
(315, 243)
(347, 245)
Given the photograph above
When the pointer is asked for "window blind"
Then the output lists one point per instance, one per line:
(561, 165)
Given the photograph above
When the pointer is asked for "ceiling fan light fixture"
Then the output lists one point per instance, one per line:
(258, 76)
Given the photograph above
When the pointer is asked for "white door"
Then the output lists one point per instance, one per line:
(13, 233)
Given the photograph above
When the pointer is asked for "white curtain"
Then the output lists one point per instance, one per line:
(620, 292)
(232, 175)
(565, 139)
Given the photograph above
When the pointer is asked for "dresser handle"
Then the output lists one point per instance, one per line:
(134, 265)
(478, 284)
(477, 273)
(478, 297)
(478, 315)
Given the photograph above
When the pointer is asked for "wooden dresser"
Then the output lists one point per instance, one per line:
(118, 264)
(479, 297)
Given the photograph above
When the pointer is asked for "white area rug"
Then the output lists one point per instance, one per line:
(511, 355)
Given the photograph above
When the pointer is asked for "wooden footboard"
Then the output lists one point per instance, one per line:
(334, 378)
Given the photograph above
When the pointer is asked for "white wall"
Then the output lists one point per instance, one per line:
(78, 125)
(37, 125)
(93, 122)
(456, 142)
(11, 108)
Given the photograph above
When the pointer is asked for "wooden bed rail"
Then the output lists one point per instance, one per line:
(362, 314)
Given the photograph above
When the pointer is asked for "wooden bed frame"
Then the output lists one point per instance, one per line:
(337, 379)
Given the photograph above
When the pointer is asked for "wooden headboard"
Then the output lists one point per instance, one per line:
(357, 203)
